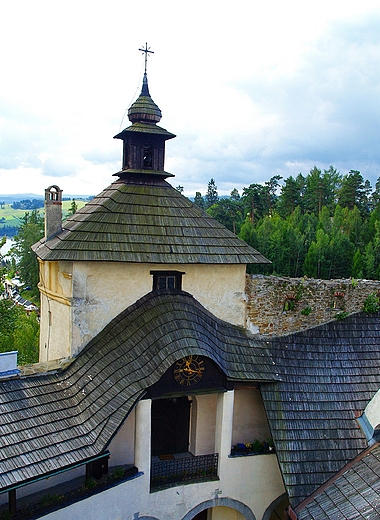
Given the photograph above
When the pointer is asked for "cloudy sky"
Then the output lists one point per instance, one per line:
(252, 89)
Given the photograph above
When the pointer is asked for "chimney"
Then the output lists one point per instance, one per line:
(53, 211)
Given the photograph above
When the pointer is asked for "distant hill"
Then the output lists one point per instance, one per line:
(16, 197)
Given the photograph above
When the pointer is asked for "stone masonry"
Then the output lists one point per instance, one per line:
(280, 305)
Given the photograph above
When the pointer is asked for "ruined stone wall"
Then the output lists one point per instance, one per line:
(280, 305)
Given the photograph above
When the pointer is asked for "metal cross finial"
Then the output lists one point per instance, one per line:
(146, 51)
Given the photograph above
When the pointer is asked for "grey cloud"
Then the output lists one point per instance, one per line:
(329, 112)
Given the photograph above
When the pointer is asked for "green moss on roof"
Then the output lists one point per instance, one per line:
(133, 221)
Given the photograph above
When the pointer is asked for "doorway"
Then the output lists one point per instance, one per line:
(201, 516)
(170, 426)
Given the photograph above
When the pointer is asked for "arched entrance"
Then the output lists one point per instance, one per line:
(220, 509)
(219, 513)
(202, 515)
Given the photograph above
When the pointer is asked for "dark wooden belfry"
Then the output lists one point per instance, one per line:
(144, 141)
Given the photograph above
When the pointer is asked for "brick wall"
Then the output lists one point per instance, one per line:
(280, 305)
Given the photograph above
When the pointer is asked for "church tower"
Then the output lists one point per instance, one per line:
(147, 293)
(138, 235)
(144, 141)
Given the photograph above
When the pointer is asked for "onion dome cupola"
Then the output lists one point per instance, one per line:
(144, 141)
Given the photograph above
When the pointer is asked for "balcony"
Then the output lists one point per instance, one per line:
(183, 470)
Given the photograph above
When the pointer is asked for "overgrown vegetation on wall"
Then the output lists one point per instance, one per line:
(279, 305)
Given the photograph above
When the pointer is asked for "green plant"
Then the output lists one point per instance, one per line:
(90, 483)
(117, 473)
(257, 445)
(50, 498)
(306, 311)
(289, 305)
(371, 303)
(354, 282)
(341, 315)
(299, 292)
(6, 515)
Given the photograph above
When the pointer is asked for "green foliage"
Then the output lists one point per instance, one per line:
(229, 212)
(354, 283)
(199, 200)
(371, 304)
(51, 498)
(289, 305)
(303, 230)
(257, 446)
(90, 483)
(74, 206)
(354, 192)
(212, 194)
(19, 331)
(306, 311)
(341, 315)
(30, 232)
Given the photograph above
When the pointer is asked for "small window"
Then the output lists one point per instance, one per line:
(148, 155)
(167, 280)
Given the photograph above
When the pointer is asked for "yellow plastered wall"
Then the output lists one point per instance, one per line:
(56, 296)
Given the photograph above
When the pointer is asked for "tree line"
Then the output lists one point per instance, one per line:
(322, 225)
(28, 204)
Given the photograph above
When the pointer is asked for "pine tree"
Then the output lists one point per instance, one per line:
(73, 208)
(212, 194)
(199, 201)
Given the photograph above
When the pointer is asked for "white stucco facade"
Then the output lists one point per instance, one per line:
(78, 299)
(245, 488)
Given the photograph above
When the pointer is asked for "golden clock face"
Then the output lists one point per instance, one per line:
(188, 370)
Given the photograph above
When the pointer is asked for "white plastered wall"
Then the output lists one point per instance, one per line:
(121, 447)
(85, 296)
(203, 419)
(254, 481)
(250, 421)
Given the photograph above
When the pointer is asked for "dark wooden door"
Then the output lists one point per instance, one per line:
(170, 425)
(201, 516)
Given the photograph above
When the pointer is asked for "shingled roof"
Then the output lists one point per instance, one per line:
(355, 494)
(52, 422)
(328, 373)
(144, 219)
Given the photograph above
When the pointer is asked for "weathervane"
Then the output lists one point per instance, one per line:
(146, 51)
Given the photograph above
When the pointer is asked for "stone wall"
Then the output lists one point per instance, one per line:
(280, 305)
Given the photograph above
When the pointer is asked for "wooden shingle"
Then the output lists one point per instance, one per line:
(56, 420)
(327, 373)
(136, 221)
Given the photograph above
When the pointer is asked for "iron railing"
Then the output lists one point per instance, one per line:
(187, 469)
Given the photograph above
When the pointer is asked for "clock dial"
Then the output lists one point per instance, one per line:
(188, 370)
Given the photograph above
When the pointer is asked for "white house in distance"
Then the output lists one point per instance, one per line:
(169, 405)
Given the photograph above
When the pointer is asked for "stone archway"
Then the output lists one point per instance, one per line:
(224, 502)
(269, 510)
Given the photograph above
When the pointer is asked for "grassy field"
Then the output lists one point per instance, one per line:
(12, 217)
